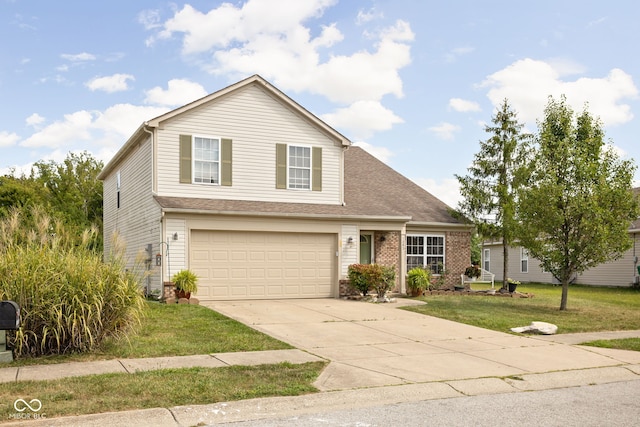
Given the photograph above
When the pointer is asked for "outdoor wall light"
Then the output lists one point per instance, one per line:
(175, 236)
(350, 241)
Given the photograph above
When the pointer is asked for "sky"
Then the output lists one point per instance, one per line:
(412, 82)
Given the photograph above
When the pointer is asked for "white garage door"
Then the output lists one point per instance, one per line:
(259, 265)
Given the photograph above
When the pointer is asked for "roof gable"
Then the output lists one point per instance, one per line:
(269, 88)
(157, 122)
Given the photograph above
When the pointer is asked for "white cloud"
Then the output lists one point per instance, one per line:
(110, 84)
(74, 127)
(528, 83)
(8, 139)
(363, 118)
(237, 41)
(445, 130)
(463, 105)
(92, 129)
(381, 153)
(368, 16)
(178, 92)
(34, 120)
(150, 19)
(78, 57)
(447, 189)
(122, 120)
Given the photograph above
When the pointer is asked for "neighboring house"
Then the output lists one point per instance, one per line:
(261, 199)
(522, 267)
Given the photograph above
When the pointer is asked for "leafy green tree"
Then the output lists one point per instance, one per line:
(497, 171)
(576, 212)
(73, 191)
(18, 192)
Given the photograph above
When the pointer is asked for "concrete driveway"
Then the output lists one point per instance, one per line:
(373, 345)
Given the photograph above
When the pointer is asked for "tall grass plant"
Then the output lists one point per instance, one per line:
(70, 300)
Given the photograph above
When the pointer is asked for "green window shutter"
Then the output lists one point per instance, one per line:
(185, 159)
(226, 157)
(281, 166)
(316, 169)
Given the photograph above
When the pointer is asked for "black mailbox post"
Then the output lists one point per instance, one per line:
(9, 315)
(9, 320)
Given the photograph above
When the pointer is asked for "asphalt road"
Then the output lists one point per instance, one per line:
(614, 404)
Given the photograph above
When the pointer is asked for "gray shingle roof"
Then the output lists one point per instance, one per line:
(372, 189)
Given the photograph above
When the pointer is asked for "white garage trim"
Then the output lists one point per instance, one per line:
(263, 265)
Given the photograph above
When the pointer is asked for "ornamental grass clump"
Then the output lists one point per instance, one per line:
(70, 300)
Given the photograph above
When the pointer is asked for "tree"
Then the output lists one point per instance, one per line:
(17, 193)
(72, 190)
(576, 212)
(498, 170)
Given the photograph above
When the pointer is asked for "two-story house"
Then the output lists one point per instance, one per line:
(262, 199)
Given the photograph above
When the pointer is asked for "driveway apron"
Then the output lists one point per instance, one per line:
(372, 345)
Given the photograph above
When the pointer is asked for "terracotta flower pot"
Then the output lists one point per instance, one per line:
(182, 294)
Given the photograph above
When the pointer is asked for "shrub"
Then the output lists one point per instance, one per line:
(363, 277)
(357, 274)
(70, 300)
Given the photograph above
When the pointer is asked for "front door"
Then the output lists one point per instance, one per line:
(365, 248)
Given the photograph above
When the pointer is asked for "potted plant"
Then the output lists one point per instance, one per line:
(185, 282)
(473, 272)
(513, 284)
(418, 280)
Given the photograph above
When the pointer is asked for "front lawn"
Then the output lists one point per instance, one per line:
(619, 344)
(166, 330)
(589, 309)
(176, 330)
(159, 389)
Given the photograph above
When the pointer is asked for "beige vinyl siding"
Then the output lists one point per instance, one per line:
(255, 122)
(620, 272)
(138, 219)
(615, 273)
(176, 259)
(350, 253)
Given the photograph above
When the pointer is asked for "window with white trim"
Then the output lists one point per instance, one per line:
(524, 260)
(426, 251)
(299, 167)
(486, 259)
(206, 160)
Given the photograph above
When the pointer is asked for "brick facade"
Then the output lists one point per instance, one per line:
(458, 255)
(387, 251)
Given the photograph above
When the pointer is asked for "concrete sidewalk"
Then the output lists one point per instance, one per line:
(218, 360)
(370, 347)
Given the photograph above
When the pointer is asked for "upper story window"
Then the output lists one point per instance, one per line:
(299, 167)
(206, 160)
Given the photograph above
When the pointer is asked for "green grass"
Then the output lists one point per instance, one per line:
(619, 344)
(166, 330)
(589, 309)
(175, 330)
(164, 388)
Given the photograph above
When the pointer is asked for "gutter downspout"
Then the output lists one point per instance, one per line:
(342, 175)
